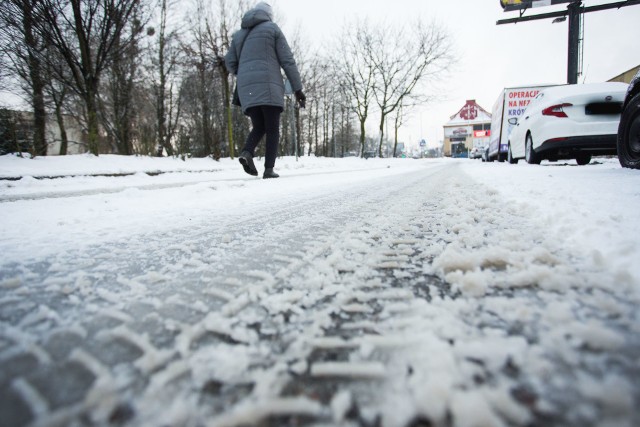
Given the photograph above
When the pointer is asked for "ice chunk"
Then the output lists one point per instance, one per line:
(340, 405)
(251, 413)
(348, 369)
(470, 409)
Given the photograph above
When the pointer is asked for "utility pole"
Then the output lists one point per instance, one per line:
(574, 11)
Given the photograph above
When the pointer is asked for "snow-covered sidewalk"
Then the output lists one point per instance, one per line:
(348, 292)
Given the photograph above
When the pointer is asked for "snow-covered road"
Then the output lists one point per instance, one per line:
(383, 293)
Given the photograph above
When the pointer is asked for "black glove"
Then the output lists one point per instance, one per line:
(301, 98)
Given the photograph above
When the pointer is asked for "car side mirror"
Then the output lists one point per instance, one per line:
(513, 121)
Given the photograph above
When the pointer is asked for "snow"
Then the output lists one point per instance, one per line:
(486, 294)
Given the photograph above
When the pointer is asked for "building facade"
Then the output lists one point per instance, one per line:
(470, 127)
(17, 129)
(626, 76)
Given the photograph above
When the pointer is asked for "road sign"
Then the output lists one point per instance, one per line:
(509, 5)
(423, 143)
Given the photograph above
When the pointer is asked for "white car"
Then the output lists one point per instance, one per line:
(568, 122)
(476, 152)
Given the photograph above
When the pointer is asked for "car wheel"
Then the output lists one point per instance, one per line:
(530, 155)
(583, 159)
(510, 157)
(629, 135)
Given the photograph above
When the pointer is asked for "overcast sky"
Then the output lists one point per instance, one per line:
(490, 56)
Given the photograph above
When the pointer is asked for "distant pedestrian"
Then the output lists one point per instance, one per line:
(257, 53)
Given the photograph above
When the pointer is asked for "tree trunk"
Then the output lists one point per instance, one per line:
(93, 124)
(310, 131)
(325, 129)
(317, 123)
(37, 83)
(206, 132)
(163, 133)
(362, 136)
(382, 116)
(123, 70)
(395, 137)
(160, 112)
(333, 129)
(64, 141)
(39, 120)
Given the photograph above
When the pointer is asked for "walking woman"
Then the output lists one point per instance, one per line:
(257, 53)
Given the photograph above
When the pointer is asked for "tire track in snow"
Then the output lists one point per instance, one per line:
(478, 342)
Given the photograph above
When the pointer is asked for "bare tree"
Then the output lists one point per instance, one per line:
(118, 101)
(23, 47)
(164, 63)
(345, 129)
(397, 122)
(404, 59)
(58, 93)
(88, 34)
(200, 81)
(219, 39)
(300, 116)
(209, 38)
(355, 65)
(311, 75)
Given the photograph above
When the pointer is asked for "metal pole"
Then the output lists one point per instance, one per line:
(574, 42)
(292, 122)
(288, 90)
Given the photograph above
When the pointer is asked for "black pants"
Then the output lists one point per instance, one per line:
(264, 120)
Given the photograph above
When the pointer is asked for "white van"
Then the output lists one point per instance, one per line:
(510, 103)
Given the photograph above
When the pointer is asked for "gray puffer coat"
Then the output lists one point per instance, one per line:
(265, 51)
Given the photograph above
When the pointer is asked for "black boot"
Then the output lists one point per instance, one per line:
(269, 173)
(246, 160)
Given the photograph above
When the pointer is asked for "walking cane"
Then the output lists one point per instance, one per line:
(288, 90)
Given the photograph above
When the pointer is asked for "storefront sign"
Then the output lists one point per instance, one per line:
(481, 133)
(460, 131)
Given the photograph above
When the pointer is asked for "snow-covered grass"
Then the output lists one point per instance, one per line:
(487, 293)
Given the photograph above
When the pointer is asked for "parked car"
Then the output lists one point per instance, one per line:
(568, 122)
(629, 128)
(485, 154)
(476, 152)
